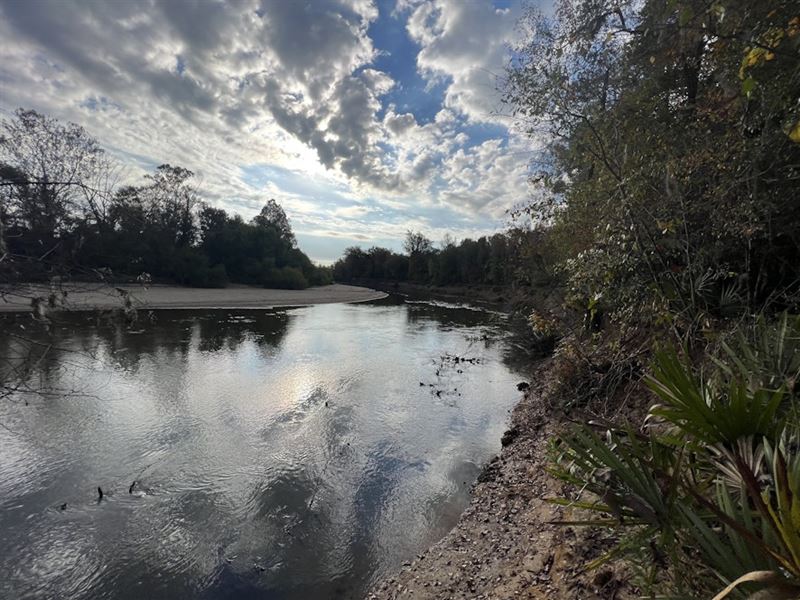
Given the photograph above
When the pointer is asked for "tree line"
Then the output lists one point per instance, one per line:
(63, 214)
(503, 259)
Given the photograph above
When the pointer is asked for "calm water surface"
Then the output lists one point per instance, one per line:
(297, 453)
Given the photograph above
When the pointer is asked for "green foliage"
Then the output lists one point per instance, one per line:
(56, 200)
(273, 216)
(513, 257)
(766, 356)
(190, 267)
(713, 410)
(669, 180)
(217, 277)
(707, 493)
(289, 278)
(321, 276)
(668, 186)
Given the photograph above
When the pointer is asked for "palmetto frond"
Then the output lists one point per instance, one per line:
(717, 492)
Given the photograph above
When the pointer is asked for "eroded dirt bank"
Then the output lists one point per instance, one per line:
(505, 545)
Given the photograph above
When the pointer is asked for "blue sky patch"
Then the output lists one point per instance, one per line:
(398, 57)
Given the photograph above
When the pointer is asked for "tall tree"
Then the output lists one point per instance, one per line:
(273, 215)
(53, 174)
(417, 243)
(172, 202)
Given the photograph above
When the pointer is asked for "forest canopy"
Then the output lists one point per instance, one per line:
(503, 259)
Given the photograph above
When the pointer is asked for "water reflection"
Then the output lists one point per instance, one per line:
(282, 454)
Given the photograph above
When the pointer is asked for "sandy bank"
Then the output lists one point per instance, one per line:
(93, 296)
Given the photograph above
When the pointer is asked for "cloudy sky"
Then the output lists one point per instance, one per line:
(363, 118)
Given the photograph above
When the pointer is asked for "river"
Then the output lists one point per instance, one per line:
(295, 453)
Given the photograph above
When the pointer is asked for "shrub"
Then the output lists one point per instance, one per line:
(288, 278)
(217, 277)
(706, 494)
(191, 268)
(321, 276)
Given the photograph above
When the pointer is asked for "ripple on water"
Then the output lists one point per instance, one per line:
(59, 560)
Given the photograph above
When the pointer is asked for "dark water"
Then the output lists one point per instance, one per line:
(278, 454)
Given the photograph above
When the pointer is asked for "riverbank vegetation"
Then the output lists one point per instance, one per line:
(669, 194)
(509, 258)
(64, 215)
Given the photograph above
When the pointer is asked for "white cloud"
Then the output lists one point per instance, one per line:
(351, 211)
(465, 43)
(490, 177)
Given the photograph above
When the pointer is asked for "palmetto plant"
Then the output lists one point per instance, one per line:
(706, 494)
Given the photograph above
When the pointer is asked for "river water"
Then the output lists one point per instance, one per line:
(296, 453)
